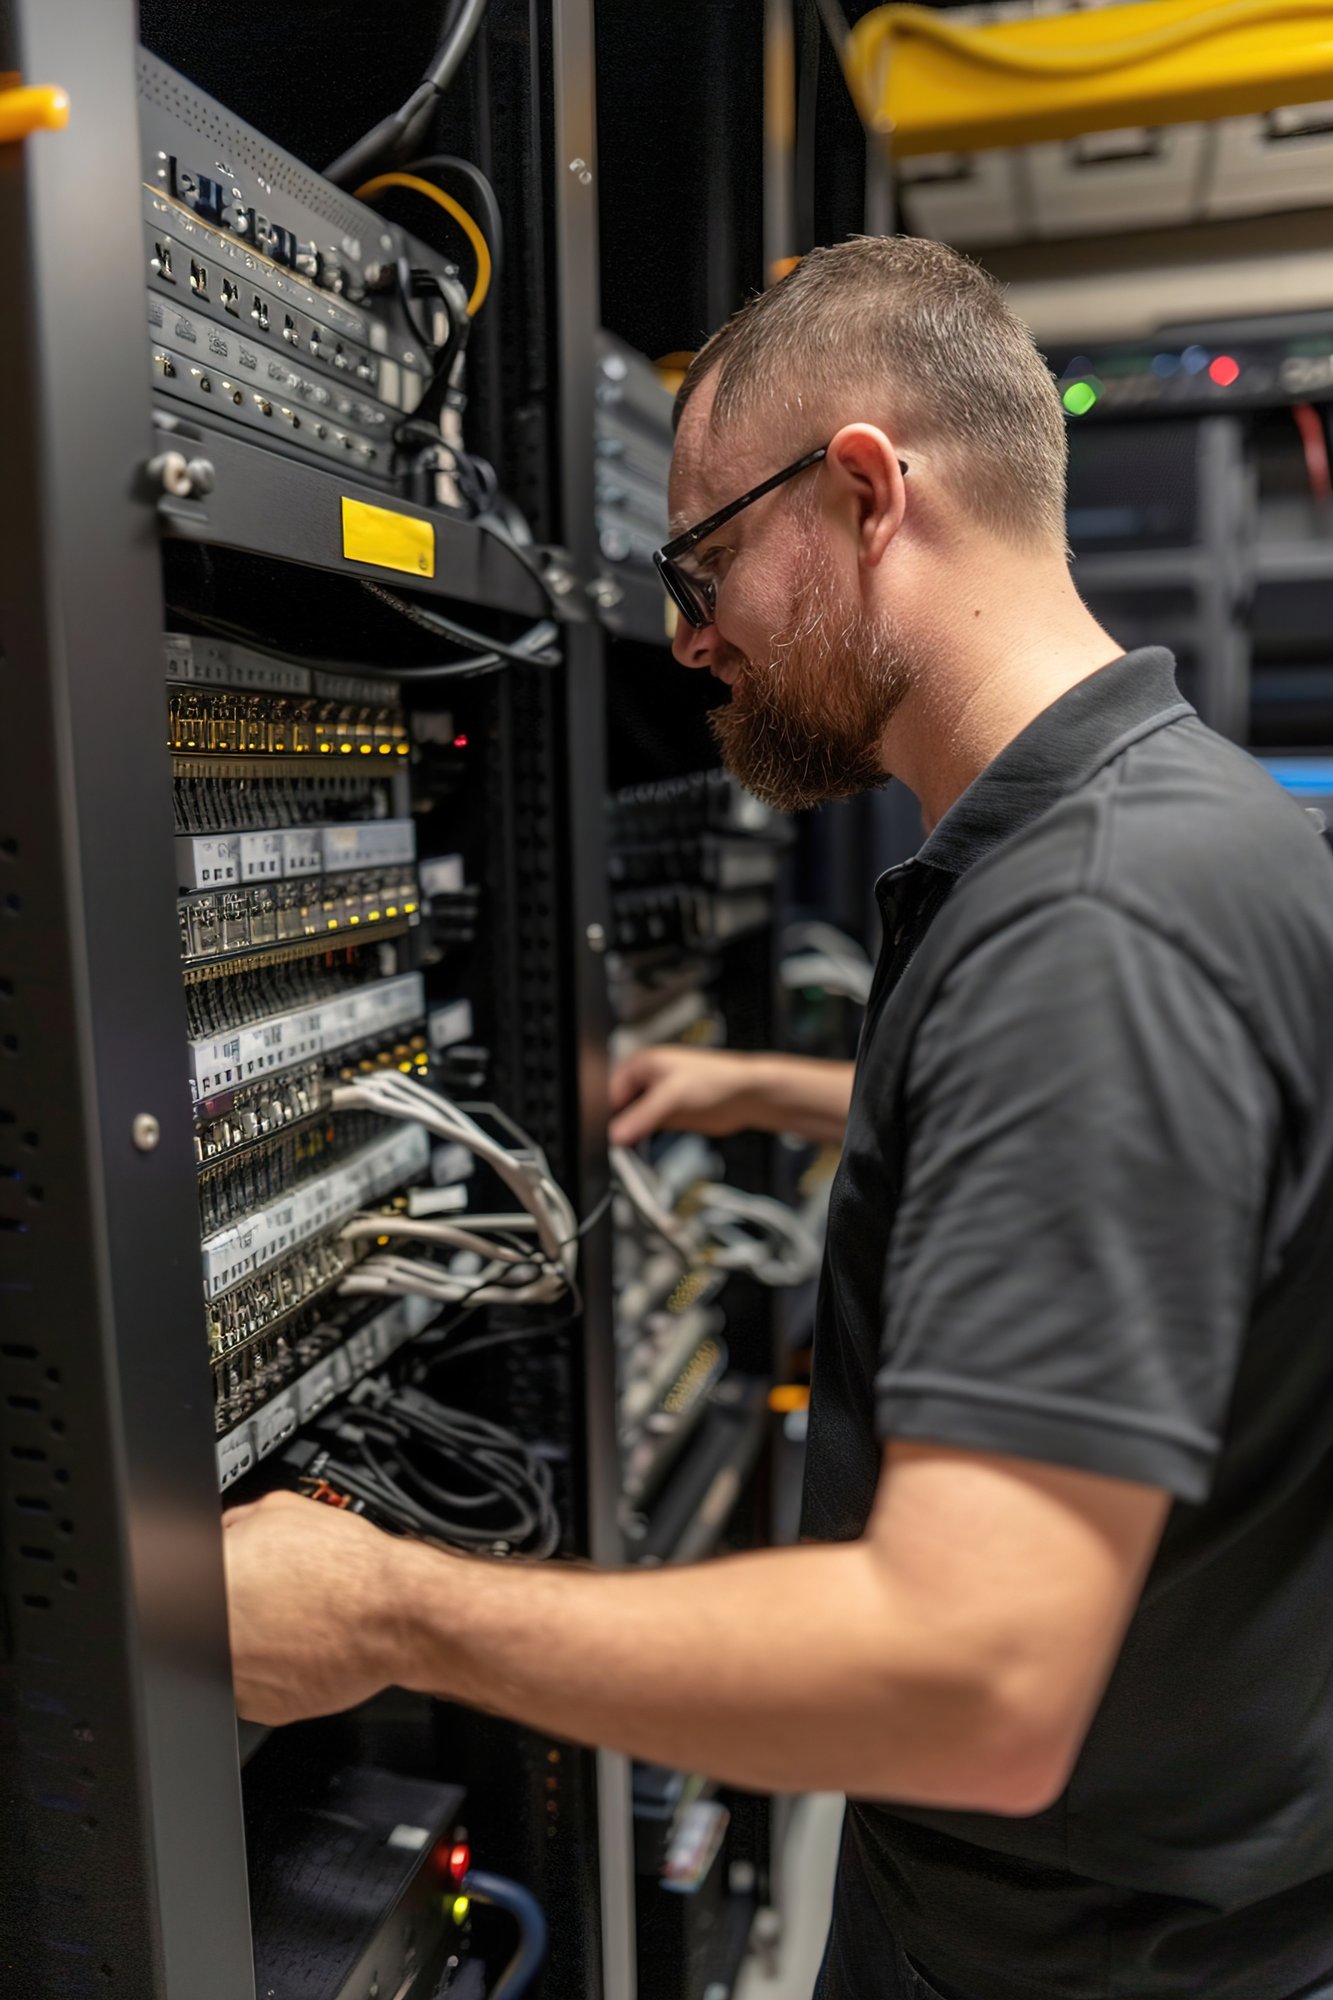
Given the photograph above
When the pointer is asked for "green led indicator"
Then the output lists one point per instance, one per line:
(1079, 398)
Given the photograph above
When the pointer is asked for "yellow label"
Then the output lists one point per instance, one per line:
(390, 541)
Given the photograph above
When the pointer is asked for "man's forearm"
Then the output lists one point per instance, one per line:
(752, 1669)
(807, 1095)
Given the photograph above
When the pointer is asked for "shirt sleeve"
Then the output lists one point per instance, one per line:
(1070, 1272)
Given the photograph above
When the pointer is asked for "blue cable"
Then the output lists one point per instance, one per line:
(527, 1913)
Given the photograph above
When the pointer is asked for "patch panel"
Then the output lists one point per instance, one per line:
(261, 1304)
(315, 1206)
(298, 977)
(668, 1427)
(210, 722)
(232, 1186)
(258, 1111)
(281, 1041)
(233, 1121)
(273, 913)
(670, 1339)
(287, 1380)
(272, 798)
(195, 659)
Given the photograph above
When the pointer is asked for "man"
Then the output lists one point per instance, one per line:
(1061, 1628)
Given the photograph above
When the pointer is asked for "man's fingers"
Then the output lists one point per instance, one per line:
(631, 1077)
(647, 1114)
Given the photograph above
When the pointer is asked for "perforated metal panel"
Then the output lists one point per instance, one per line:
(236, 142)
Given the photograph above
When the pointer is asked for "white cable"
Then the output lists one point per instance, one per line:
(410, 1277)
(789, 1260)
(432, 1230)
(784, 1253)
(828, 975)
(396, 1096)
(508, 1277)
(641, 1187)
(816, 954)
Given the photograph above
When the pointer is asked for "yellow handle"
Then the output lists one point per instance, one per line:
(32, 107)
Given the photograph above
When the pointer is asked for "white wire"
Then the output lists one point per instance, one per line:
(410, 1277)
(784, 1253)
(433, 1230)
(829, 975)
(508, 1277)
(641, 1186)
(771, 1263)
(396, 1096)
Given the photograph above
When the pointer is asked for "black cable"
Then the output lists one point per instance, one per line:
(403, 130)
(493, 226)
(447, 60)
(463, 635)
(511, 1477)
(446, 670)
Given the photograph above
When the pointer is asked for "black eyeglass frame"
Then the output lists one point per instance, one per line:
(696, 597)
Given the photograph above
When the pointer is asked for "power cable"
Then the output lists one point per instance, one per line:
(403, 130)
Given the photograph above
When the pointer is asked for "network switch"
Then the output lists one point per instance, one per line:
(274, 306)
(219, 922)
(339, 1347)
(261, 1048)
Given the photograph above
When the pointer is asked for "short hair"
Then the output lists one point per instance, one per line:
(909, 333)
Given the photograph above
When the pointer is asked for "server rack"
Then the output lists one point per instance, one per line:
(123, 1785)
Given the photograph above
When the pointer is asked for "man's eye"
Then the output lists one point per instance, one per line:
(713, 559)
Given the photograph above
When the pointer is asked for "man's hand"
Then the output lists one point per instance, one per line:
(311, 1606)
(669, 1089)
(719, 1091)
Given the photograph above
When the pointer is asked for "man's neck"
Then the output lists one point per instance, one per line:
(1008, 649)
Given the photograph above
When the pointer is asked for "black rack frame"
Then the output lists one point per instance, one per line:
(114, 1673)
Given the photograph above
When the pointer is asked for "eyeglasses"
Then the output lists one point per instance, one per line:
(695, 595)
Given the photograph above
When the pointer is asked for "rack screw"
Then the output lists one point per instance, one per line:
(145, 1131)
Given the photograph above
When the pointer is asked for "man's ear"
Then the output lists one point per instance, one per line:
(864, 463)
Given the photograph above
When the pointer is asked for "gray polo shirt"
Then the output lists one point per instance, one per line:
(1085, 1215)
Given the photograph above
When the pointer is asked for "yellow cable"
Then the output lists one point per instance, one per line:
(870, 42)
(480, 247)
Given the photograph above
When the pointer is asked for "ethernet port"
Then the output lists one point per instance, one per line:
(198, 278)
(161, 261)
(231, 295)
(259, 313)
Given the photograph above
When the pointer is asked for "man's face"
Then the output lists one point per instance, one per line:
(815, 677)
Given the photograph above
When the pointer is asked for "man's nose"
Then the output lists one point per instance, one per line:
(696, 645)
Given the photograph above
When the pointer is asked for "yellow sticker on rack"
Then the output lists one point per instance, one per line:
(388, 540)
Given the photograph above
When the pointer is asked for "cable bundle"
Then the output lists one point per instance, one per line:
(818, 955)
(722, 1226)
(512, 1272)
(434, 1472)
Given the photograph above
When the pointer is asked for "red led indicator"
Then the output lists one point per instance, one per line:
(460, 743)
(1224, 371)
(460, 1860)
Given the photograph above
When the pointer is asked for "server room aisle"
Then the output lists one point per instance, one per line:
(811, 1858)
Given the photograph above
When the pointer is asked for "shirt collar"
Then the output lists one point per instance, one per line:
(1059, 751)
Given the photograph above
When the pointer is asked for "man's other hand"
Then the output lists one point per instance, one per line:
(668, 1089)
